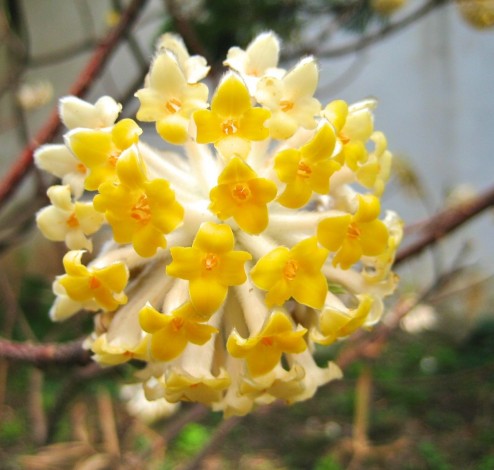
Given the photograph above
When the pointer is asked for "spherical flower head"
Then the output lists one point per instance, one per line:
(232, 123)
(139, 211)
(169, 100)
(354, 236)
(210, 265)
(307, 169)
(294, 272)
(264, 350)
(170, 333)
(103, 285)
(241, 194)
(99, 150)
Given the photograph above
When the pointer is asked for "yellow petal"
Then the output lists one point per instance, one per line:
(286, 165)
(296, 194)
(208, 127)
(231, 98)
(185, 263)
(369, 208)
(214, 238)
(151, 320)
(125, 133)
(91, 147)
(147, 240)
(310, 290)
(131, 169)
(231, 270)
(268, 270)
(115, 276)
(321, 145)
(349, 253)
(332, 231)
(251, 124)
(173, 128)
(207, 295)
(167, 344)
(373, 237)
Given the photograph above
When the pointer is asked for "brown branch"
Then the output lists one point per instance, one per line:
(370, 39)
(44, 354)
(84, 81)
(441, 224)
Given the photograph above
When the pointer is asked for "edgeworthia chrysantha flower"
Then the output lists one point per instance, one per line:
(230, 258)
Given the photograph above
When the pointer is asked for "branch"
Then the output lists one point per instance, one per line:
(370, 39)
(85, 80)
(441, 224)
(44, 354)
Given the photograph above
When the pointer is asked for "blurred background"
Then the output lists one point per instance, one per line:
(422, 396)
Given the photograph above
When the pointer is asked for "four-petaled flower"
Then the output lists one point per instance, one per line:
(68, 221)
(169, 100)
(290, 99)
(354, 236)
(210, 265)
(101, 285)
(170, 333)
(241, 194)
(295, 272)
(100, 149)
(232, 123)
(139, 211)
(263, 351)
(307, 169)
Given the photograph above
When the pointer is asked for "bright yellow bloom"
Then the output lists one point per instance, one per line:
(170, 333)
(232, 121)
(103, 285)
(477, 13)
(263, 351)
(110, 354)
(169, 100)
(139, 211)
(335, 323)
(100, 149)
(210, 265)
(291, 99)
(354, 236)
(307, 169)
(295, 272)
(242, 195)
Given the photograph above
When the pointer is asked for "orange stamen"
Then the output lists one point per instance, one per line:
(267, 341)
(290, 270)
(229, 127)
(177, 323)
(210, 261)
(72, 221)
(141, 211)
(241, 192)
(304, 170)
(94, 283)
(286, 105)
(353, 232)
(173, 105)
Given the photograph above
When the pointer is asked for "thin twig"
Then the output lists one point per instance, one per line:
(84, 81)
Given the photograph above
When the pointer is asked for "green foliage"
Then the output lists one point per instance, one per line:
(192, 438)
(327, 463)
(433, 456)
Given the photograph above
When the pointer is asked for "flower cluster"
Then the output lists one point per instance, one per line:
(228, 263)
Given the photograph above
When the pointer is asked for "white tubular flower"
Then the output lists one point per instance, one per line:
(75, 112)
(59, 161)
(259, 59)
(67, 221)
(228, 260)
(290, 99)
(195, 67)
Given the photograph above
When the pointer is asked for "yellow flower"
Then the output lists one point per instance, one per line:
(210, 265)
(354, 236)
(290, 99)
(103, 285)
(335, 323)
(263, 351)
(232, 121)
(100, 149)
(306, 169)
(170, 333)
(295, 272)
(139, 211)
(169, 100)
(242, 195)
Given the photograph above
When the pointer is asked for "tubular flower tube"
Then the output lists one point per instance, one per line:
(227, 260)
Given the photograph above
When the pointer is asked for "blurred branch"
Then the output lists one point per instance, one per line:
(441, 224)
(84, 81)
(369, 39)
(44, 354)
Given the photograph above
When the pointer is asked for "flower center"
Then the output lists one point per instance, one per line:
(286, 105)
(177, 323)
(353, 232)
(94, 282)
(290, 270)
(72, 221)
(80, 168)
(229, 127)
(173, 105)
(140, 210)
(241, 192)
(304, 170)
(267, 341)
(210, 261)
(344, 139)
(113, 158)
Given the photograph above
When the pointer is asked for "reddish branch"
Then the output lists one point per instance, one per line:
(84, 81)
(46, 353)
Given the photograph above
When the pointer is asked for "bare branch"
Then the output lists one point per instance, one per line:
(84, 81)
